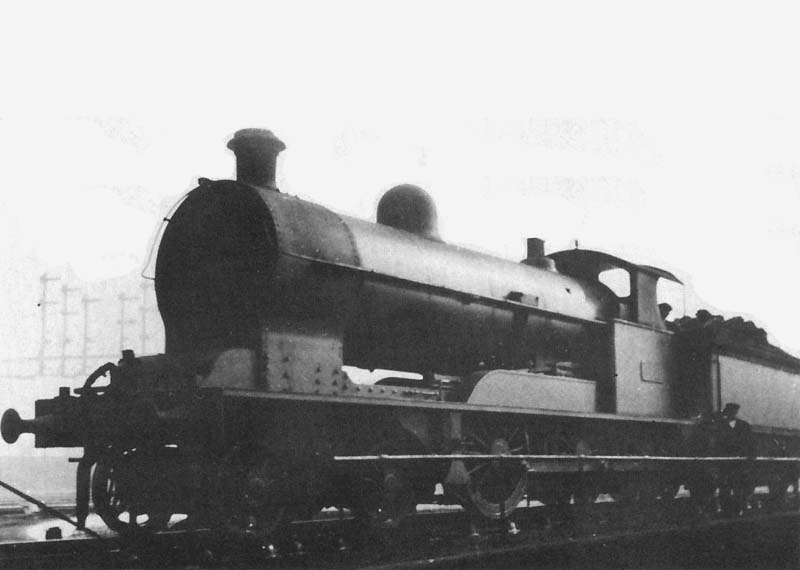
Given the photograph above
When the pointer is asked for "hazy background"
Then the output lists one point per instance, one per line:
(667, 133)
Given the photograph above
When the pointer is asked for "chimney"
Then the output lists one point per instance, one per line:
(535, 248)
(536, 256)
(256, 153)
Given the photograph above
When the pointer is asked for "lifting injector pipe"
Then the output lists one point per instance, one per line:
(607, 458)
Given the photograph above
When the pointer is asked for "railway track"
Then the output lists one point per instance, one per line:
(433, 540)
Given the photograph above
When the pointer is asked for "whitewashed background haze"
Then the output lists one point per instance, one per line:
(664, 132)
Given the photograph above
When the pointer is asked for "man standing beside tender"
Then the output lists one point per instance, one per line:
(735, 440)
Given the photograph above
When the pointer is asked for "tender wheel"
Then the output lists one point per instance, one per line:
(496, 488)
(779, 481)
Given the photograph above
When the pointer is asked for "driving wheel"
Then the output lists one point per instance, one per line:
(496, 487)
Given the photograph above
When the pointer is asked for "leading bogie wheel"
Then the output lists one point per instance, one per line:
(120, 498)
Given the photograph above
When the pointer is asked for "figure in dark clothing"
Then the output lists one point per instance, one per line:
(735, 440)
(699, 476)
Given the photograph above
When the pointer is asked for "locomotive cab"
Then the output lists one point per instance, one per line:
(644, 378)
(640, 302)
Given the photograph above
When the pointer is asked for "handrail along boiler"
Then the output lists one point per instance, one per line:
(250, 414)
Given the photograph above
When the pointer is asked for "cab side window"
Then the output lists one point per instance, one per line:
(619, 281)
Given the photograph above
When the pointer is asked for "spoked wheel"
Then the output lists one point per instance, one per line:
(262, 495)
(385, 498)
(637, 486)
(496, 487)
(561, 490)
(385, 495)
(265, 505)
(121, 497)
(779, 481)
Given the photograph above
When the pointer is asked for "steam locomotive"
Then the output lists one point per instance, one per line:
(252, 416)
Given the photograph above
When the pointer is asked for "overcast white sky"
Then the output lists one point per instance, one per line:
(667, 133)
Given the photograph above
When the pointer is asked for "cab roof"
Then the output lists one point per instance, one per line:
(588, 264)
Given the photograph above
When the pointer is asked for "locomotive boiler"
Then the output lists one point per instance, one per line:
(252, 416)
